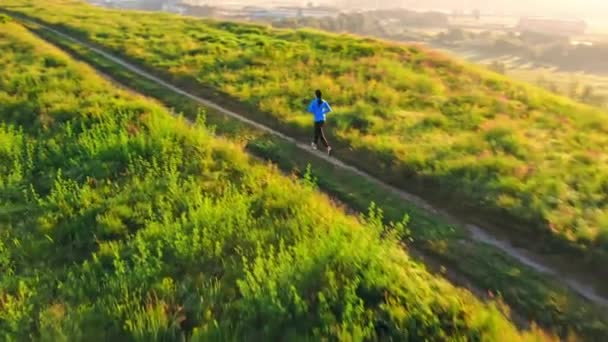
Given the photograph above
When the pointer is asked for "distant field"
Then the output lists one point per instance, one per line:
(571, 84)
(564, 81)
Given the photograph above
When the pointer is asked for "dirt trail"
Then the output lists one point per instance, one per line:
(476, 233)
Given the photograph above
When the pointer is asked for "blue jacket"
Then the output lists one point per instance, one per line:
(319, 110)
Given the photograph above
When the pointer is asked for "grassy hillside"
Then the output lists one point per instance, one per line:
(118, 221)
(412, 116)
(534, 296)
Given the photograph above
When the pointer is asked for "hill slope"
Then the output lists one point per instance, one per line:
(118, 221)
(423, 121)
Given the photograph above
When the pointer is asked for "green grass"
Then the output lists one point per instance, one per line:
(119, 221)
(449, 131)
(533, 296)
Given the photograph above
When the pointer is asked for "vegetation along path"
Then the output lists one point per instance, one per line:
(483, 269)
(120, 221)
(476, 232)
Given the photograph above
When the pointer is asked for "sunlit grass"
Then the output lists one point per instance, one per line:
(371, 84)
(119, 221)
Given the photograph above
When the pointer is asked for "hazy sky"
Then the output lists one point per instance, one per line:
(548, 4)
(580, 8)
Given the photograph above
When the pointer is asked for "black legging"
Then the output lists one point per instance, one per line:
(319, 133)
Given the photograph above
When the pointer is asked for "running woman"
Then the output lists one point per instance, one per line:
(319, 108)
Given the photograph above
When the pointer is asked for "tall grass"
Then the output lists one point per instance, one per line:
(503, 146)
(119, 221)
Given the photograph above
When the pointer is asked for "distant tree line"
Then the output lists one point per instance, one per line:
(368, 23)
